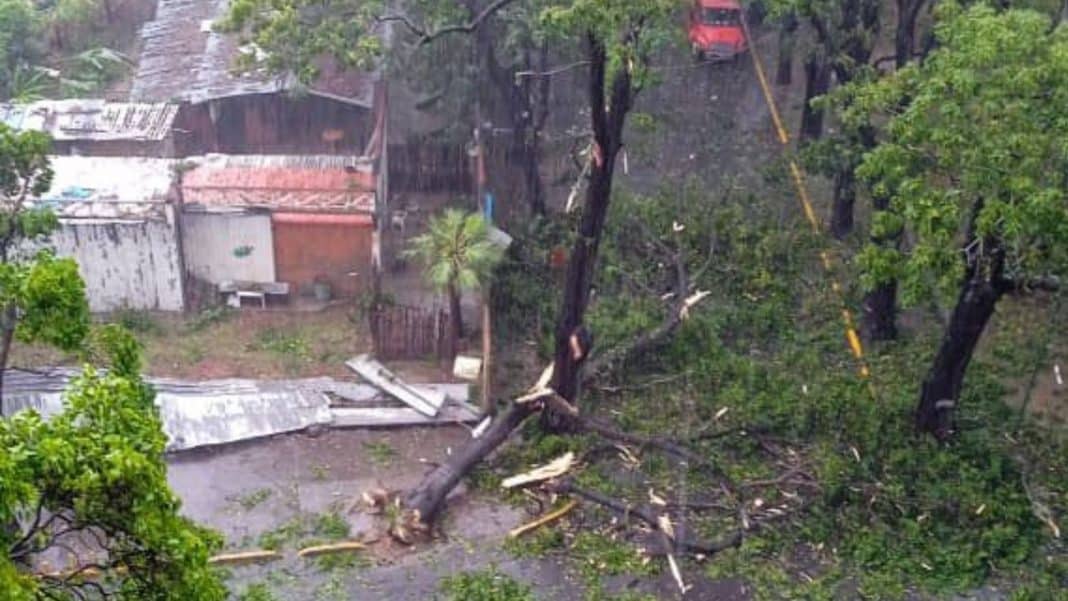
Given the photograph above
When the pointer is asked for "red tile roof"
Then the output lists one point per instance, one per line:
(280, 188)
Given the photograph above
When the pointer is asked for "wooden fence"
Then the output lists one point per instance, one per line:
(402, 332)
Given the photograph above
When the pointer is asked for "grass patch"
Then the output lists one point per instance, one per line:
(540, 543)
(380, 453)
(257, 592)
(484, 585)
(209, 318)
(284, 343)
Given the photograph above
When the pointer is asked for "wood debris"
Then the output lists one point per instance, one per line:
(557, 467)
(341, 547)
(543, 520)
(244, 557)
(693, 299)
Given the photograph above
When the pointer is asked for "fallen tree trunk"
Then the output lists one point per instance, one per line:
(427, 500)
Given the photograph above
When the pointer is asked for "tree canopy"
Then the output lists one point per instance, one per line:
(42, 298)
(976, 163)
(90, 484)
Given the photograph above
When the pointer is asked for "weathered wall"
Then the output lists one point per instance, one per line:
(125, 263)
(228, 246)
(332, 247)
(272, 124)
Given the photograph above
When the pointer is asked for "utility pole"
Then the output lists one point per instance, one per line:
(480, 202)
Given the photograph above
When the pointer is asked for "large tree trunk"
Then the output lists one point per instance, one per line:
(982, 287)
(608, 139)
(941, 389)
(817, 82)
(428, 498)
(787, 38)
(880, 312)
(905, 35)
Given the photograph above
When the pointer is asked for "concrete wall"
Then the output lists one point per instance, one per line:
(125, 263)
(228, 246)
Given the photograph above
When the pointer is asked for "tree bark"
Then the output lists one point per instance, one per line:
(905, 34)
(845, 196)
(817, 82)
(983, 285)
(941, 389)
(784, 74)
(608, 139)
(857, 16)
(428, 498)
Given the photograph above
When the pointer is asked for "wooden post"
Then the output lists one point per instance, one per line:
(487, 355)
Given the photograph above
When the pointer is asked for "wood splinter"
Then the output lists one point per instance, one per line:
(554, 468)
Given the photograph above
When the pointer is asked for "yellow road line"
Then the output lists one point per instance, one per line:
(798, 177)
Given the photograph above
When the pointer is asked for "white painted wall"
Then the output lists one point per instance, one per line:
(212, 241)
(125, 263)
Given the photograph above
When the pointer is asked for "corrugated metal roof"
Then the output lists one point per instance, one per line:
(314, 182)
(109, 187)
(183, 59)
(194, 414)
(92, 119)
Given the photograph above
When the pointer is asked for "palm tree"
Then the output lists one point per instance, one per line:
(458, 255)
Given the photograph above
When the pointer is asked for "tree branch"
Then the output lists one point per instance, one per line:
(425, 37)
(646, 513)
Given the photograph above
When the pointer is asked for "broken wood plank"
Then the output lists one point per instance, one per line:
(554, 468)
(422, 400)
(543, 520)
(343, 547)
(371, 417)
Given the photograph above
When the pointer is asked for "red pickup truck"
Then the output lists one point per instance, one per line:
(715, 30)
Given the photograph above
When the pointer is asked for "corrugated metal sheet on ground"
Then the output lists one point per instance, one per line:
(213, 412)
(194, 414)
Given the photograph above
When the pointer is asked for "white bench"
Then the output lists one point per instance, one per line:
(233, 292)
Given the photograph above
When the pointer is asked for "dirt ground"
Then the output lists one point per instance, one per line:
(249, 343)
